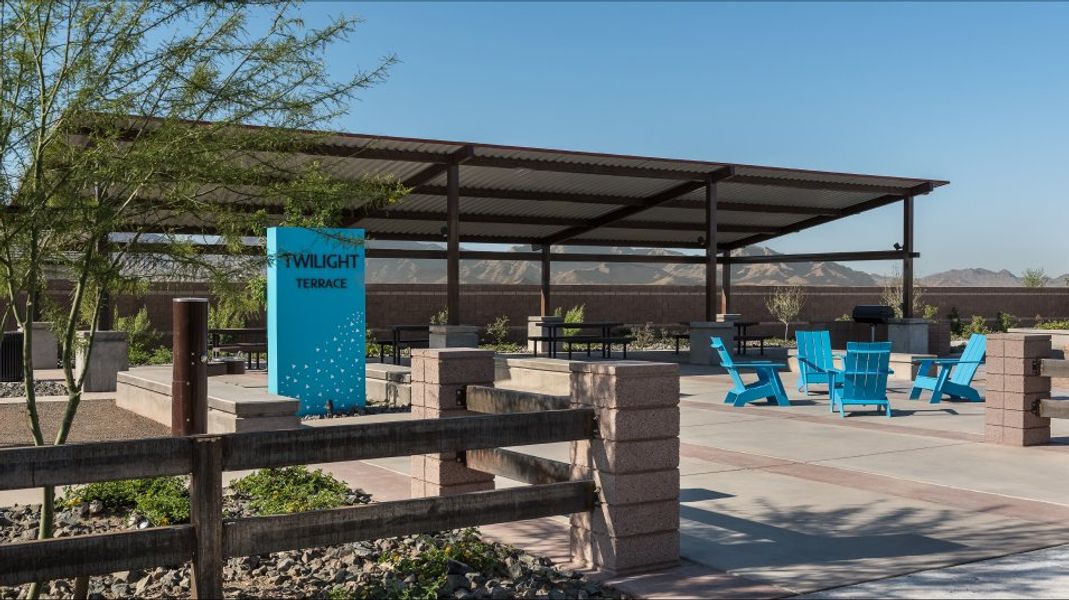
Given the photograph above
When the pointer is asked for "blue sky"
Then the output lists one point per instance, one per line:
(977, 94)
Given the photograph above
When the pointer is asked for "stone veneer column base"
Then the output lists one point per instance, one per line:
(1012, 389)
(437, 375)
(634, 462)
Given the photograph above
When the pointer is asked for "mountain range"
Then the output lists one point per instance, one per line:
(528, 272)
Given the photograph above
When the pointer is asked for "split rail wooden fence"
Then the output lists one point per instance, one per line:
(209, 539)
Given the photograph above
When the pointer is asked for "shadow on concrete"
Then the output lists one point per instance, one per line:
(761, 544)
(699, 494)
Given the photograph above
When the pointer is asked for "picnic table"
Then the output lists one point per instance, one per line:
(250, 341)
(741, 337)
(605, 338)
(397, 340)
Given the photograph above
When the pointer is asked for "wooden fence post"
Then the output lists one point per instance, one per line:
(189, 381)
(206, 515)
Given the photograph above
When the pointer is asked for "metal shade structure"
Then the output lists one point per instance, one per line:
(464, 192)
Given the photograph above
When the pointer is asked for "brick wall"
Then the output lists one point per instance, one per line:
(392, 304)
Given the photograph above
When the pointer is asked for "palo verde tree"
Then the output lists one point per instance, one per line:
(127, 126)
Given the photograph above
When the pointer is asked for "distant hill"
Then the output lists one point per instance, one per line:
(971, 277)
(433, 271)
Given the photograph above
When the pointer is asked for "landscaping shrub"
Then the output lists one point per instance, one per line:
(1053, 325)
(441, 317)
(163, 500)
(1004, 321)
(978, 324)
(290, 489)
(574, 315)
(498, 331)
(645, 336)
(956, 326)
(431, 565)
(144, 339)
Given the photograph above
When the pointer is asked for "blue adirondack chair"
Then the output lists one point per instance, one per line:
(955, 374)
(816, 362)
(863, 380)
(768, 384)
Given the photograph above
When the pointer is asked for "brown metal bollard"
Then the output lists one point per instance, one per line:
(189, 382)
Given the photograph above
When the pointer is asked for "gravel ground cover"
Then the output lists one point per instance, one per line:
(96, 420)
(44, 387)
(454, 564)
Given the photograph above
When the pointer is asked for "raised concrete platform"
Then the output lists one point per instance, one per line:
(544, 375)
(232, 405)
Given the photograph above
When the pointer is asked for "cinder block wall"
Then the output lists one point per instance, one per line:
(664, 306)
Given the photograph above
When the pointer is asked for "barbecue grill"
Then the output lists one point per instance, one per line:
(873, 314)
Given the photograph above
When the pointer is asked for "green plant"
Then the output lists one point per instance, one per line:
(1064, 324)
(1034, 278)
(290, 489)
(429, 565)
(143, 337)
(978, 324)
(844, 317)
(575, 314)
(1005, 321)
(163, 500)
(498, 330)
(785, 304)
(441, 317)
(160, 355)
(645, 336)
(956, 327)
(929, 311)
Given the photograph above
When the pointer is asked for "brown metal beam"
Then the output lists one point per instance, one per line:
(807, 184)
(711, 297)
(453, 244)
(535, 195)
(438, 217)
(628, 211)
(821, 257)
(535, 164)
(544, 298)
(907, 257)
(725, 286)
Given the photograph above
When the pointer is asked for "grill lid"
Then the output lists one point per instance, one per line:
(873, 314)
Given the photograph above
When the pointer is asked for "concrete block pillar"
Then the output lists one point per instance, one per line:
(634, 461)
(700, 332)
(454, 336)
(1013, 387)
(908, 336)
(45, 346)
(437, 374)
(109, 356)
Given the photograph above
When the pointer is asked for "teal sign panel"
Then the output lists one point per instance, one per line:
(315, 318)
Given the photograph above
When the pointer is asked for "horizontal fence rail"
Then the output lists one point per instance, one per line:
(99, 554)
(210, 538)
(257, 535)
(1054, 367)
(37, 466)
(518, 466)
(485, 399)
(403, 438)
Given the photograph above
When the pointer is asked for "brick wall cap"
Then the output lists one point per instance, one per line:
(451, 353)
(1019, 337)
(625, 368)
(106, 336)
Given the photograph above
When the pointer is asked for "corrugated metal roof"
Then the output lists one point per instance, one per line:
(520, 194)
